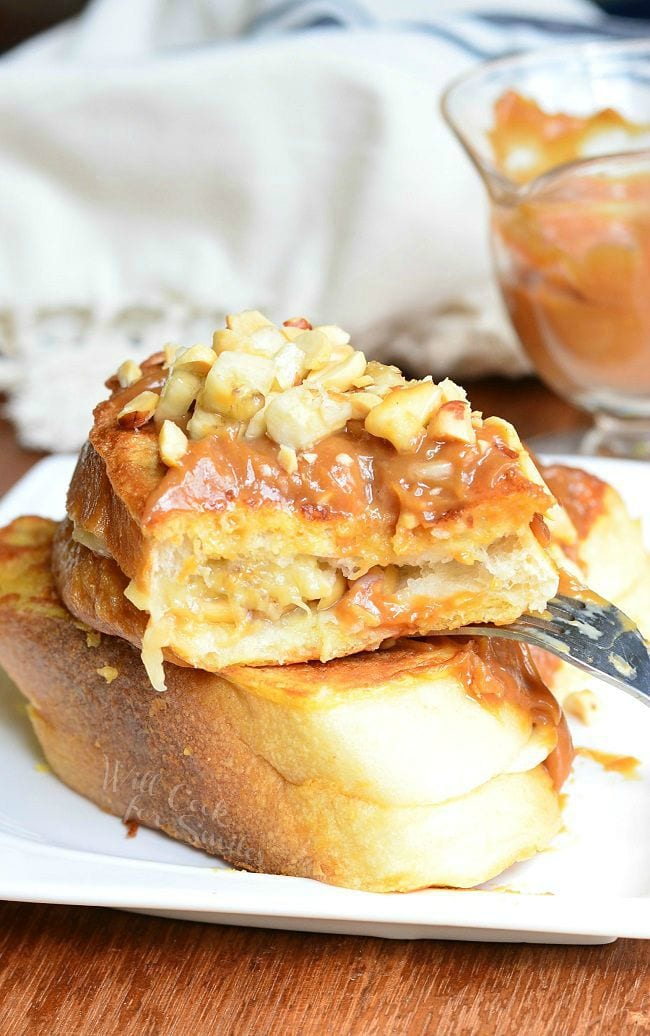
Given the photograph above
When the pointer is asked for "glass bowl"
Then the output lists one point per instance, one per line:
(561, 139)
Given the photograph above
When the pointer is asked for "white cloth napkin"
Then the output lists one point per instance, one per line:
(163, 163)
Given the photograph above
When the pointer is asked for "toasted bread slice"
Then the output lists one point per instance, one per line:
(429, 763)
(305, 531)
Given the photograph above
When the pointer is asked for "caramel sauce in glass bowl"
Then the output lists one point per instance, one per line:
(561, 139)
(573, 253)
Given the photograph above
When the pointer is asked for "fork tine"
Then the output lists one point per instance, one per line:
(602, 622)
(599, 638)
(562, 605)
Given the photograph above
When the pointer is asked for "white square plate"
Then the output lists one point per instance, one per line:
(590, 887)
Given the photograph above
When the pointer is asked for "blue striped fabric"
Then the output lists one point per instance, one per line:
(483, 34)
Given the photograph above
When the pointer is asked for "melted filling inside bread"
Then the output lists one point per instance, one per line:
(269, 607)
(262, 587)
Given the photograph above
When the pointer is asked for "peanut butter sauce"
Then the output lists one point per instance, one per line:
(348, 474)
(546, 663)
(497, 669)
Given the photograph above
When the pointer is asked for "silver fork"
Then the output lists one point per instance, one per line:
(598, 638)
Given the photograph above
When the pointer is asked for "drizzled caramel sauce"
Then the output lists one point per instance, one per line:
(347, 474)
(371, 599)
(570, 587)
(350, 474)
(503, 668)
(560, 761)
(546, 663)
(626, 765)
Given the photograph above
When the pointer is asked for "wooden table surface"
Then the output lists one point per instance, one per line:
(69, 970)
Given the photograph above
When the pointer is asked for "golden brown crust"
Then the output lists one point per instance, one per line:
(181, 761)
(25, 552)
(581, 494)
(131, 456)
(94, 506)
(94, 588)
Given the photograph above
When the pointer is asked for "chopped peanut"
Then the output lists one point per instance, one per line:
(291, 332)
(179, 391)
(245, 403)
(266, 341)
(316, 347)
(407, 520)
(224, 340)
(297, 322)
(128, 373)
(290, 364)
(198, 359)
(384, 377)
(336, 335)
(287, 459)
(257, 424)
(247, 322)
(172, 443)
(451, 391)
(403, 415)
(109, 673)
(157, 360)
(138, 410)
(232, 371)
(362, 403)
(339, 376)
(203, 423)
(169, 354)
(452, 423)
(582, 704)
(301, 417)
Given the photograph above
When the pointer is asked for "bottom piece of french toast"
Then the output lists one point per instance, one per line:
(389, 781)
